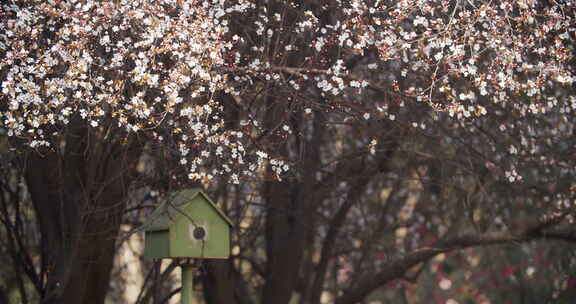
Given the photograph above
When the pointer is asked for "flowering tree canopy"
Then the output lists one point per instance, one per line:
(168, 70)
(437, 124)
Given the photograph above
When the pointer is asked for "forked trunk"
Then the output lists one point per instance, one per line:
(79, 198)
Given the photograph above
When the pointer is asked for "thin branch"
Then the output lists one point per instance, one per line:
(397, 268)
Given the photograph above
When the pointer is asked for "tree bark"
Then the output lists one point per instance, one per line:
(285, 235)
(396, 269)
(223, 284)
(79, 198)
(3, 296)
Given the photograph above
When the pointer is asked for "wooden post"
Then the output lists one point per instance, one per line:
(187, 293)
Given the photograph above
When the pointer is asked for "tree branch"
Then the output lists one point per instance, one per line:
(396, 269)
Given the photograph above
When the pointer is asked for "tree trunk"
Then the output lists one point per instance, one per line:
(224, 284)
(79, 198)
(3, 296)
(289, 207)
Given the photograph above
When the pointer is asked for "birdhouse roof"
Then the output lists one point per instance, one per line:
(165, 214)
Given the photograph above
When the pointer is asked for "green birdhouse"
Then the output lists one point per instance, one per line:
(187, 225)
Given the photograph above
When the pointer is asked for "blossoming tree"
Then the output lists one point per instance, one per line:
(233, 90)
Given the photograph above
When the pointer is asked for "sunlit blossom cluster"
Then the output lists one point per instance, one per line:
(468, 59)
(143, 65)
(151, 65)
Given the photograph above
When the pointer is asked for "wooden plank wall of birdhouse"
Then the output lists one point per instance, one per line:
(217, 243)
(157, 244)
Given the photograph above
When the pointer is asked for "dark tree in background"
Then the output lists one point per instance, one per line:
(367, 150)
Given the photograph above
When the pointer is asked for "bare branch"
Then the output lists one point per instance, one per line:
(397, 268)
